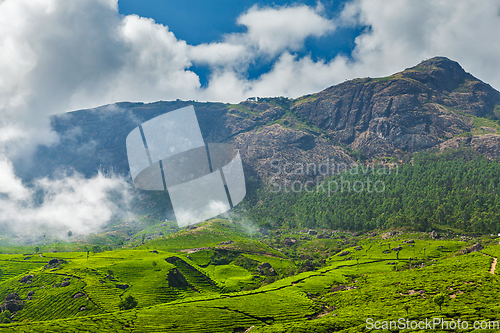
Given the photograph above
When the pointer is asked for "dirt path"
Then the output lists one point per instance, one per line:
(493, 265)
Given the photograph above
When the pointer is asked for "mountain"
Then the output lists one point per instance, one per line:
(421, 107)
(411, 110)
(416, 109)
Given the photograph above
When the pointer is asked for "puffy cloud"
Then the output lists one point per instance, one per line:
(396, 36)
(59, 55)
(270, 31)
(53, 52)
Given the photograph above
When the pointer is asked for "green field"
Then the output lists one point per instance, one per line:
(218, 287)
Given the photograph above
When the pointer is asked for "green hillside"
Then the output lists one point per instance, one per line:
(368, 255)
(456, 191)
(207, 279)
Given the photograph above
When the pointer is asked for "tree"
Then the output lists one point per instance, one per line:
(128, 303)
(70, 233)
(406, 307)
(439, 300)
(37, 249)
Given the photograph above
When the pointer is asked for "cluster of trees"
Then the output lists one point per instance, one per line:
(128, 303)
(457, 189)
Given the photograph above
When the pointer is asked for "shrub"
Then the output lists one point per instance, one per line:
(5, 317)
(128, 303)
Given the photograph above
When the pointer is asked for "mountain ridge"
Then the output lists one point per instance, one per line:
(416, 109)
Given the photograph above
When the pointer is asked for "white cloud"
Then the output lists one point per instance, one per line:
(270, 31)
(403, 33)
(273, 30)
(69, 203)
(61, 55)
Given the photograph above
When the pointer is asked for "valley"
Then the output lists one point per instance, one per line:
(212, 279)
(317, 255)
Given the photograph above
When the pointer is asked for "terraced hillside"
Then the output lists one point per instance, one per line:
(212, 279)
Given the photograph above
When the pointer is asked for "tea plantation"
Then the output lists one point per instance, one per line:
(212, 278)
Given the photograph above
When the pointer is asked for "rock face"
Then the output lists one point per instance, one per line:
(323, 236)
(27, 279)
(226, 242)
(122, 286)
(54, 263)
(13, 303)
(411, 110)
(488, 144)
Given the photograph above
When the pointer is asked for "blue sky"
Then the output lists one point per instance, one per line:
(198, 21)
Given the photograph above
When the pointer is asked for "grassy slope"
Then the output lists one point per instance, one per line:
(304, 302)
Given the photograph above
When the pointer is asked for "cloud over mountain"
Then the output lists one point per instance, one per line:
(63, 55)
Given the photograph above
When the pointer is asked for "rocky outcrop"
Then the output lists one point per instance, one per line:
(488, 144)
(474, 248)
(27, 279)
(269, 151)
(266, 269)
(54, 263)
(226, 242)
(411, 110)
(122, 286)
(12, 303)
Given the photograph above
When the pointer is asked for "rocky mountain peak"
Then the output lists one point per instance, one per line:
(412, 110)
(440, 73)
